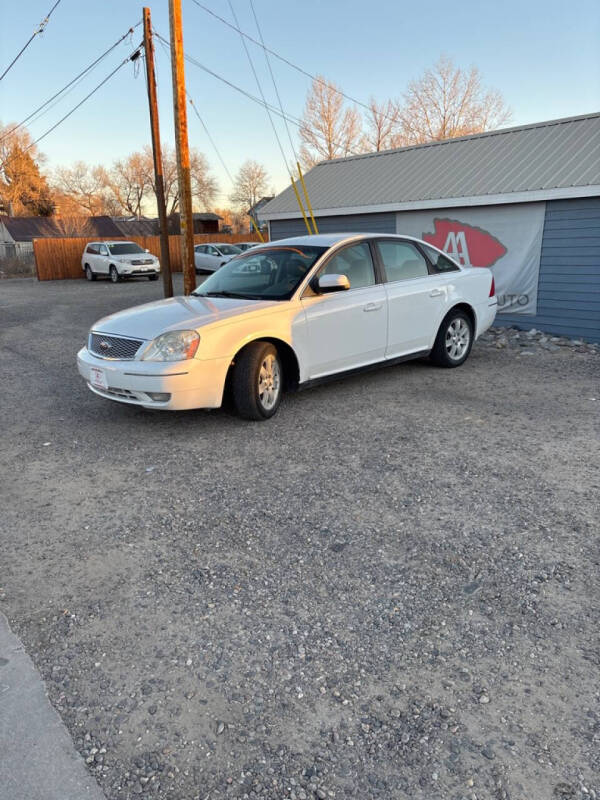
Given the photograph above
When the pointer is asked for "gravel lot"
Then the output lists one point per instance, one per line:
(390, 590)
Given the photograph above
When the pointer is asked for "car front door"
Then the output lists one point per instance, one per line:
(346, 329)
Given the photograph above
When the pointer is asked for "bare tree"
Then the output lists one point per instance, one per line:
(233, 218)
(447, 101)
(383, 126)
(128, 181)
(89, 187)
(204, 186)
(328, 129)
(22, 183)
(250, 184)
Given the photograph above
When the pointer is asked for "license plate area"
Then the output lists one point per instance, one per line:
(98, 378)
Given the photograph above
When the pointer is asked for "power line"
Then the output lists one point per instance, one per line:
(264, 99)
(201, 120)
(273, 79)
(132, 57)
(287, 61)
(294, 120)
(69, 85)
(39, 29)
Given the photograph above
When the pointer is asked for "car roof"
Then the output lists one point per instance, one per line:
(329, 239)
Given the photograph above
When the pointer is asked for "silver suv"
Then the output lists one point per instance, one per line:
(118, 260)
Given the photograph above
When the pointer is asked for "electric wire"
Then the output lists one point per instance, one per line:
(290, 117)
(262, 94)
(131, 57)
(200, 118)
(39, 29)
(267, 59)
(68, 86)
(288, 62)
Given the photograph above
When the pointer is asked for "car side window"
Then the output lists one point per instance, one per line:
(440, 262)
(212, 251)
(401, 260)
(103, 250)
(200, 248)
(92, 249)
(355, 263)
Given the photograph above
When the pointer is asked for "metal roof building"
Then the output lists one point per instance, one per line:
(540, 180)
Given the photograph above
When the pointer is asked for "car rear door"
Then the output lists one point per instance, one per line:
(199, 256)
(102, 259)
(346, 329)
(213, 257)
(415, 300)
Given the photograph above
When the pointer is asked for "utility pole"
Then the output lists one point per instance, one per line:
(182, 148)
(165, 258)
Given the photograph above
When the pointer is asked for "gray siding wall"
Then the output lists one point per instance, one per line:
(350, 223)
(569, 281)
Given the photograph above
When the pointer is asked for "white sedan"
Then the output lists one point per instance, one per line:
(209, 257)
(288, 314)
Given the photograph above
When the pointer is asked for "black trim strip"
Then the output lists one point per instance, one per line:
(154, 374)
(388, 362)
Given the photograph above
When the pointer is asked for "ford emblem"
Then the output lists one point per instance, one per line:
(105, 346)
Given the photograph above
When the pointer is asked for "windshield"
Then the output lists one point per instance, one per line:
(229, 249)
(125, 248)
(269, 273)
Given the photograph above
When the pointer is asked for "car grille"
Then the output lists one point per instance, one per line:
(113, 346)
(139, 261)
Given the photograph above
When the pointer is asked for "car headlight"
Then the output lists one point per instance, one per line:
(173, 346)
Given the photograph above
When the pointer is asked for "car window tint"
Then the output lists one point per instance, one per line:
(441, 263)
(402, 261)
(92, 248)
(356, 263)
(212, 251)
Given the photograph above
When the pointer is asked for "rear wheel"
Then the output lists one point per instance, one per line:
(257, 381)
(454, 340)
(89, 274)
(114, 275)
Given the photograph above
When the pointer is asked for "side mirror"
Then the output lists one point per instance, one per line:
(333, 283)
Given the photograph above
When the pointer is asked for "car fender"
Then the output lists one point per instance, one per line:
(227, 340)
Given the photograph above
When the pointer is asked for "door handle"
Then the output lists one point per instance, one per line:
(372, 306)
(436, 293)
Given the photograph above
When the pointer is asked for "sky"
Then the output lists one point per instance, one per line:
(542, 55)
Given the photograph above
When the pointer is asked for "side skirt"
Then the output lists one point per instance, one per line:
(388, 362)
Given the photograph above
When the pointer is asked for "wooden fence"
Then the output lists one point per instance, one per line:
(57, 259)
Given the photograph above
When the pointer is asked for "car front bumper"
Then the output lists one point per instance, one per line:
(194, 383)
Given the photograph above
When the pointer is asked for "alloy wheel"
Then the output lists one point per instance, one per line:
(269, 382)
(458, 338)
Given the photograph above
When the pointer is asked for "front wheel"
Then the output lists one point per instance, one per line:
(89, 274)
(257, 381)
(454, 340)
(114, 275)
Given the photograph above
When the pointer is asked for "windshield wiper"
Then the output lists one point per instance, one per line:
(229, 294)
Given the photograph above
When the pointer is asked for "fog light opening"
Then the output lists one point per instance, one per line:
(159, 397)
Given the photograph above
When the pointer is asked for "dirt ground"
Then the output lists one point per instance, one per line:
(390, 590)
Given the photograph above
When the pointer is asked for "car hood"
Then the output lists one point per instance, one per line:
(177, 313)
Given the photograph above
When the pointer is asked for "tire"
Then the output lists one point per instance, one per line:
(246, 380)
(454, 340)
(114, 275)
(89, 274)
(152, 277)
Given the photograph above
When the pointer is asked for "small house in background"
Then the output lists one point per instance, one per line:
(17, 233)
(256, 213)
(204, 222)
